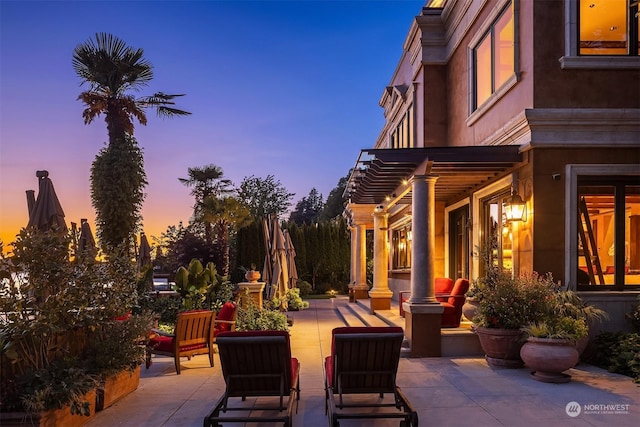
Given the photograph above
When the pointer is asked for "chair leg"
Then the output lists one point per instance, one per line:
(177, 363)
(211, 356)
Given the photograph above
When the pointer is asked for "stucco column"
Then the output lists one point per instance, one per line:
(423, 244)
(380, 294)
(423, 312)
(352, 265)
(361, 287)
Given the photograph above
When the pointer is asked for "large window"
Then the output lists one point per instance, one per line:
(498, 238)
(608, 27)
(608, 233)
(494, 57)
(459, 243)
(401, 246)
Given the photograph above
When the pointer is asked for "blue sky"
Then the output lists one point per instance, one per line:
(287, 88)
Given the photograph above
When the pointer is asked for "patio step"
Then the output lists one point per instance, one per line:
(454, 342)
(460, 341)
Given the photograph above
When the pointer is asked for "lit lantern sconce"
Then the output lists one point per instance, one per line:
(515, 209)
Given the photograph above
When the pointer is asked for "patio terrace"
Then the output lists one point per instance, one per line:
(446, 391)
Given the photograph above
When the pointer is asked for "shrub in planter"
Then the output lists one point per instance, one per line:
(56, 310)
(60, 384)
(252, 318)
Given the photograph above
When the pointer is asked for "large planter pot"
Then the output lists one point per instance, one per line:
(51, 418)
(549, 358)
(469, 309)
(116, 387)
(501, 346)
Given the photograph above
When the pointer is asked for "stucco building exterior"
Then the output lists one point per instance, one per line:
(492, 99)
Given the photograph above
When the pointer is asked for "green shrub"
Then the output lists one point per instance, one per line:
(61, 383)
(617, 352)
(251, 318)
(634, 316)
(305, 288)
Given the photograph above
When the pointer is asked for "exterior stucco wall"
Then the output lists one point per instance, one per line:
(549, 202)
(573, 88)
(459, 91)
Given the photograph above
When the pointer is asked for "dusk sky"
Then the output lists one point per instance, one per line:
(283, 88)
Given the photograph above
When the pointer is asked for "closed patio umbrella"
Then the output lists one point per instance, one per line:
(280, 273)
(86, 242)
(266, 269)
(144, 253)
(46, 213)
(291, 259)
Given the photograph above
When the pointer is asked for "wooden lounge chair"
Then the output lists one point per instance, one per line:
(193, 335)
(256, 364)
(364, 360)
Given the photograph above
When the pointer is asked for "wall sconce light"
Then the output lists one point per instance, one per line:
(515, 209)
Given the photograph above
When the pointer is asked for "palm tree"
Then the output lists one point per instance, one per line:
(226, 214)
(206, 181)
(111, 68)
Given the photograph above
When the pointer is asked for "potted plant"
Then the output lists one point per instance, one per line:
(251, 274)
(505, 305)
(551, 346)
(55, 309)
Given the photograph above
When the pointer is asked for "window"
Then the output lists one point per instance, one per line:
(498, 235)
(494, 57)
(401, 241)
(607, 27)
(459, 242)
(402, 136)
(608, 233)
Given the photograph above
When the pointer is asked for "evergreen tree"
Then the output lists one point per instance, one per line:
(264, 196)
(335, 202)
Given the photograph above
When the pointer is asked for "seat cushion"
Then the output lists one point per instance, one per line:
(227, 313)
(443, 285)
(165, 344)
(328, 369)
(295, 369)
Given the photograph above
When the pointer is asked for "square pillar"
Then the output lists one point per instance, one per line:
(422, 329)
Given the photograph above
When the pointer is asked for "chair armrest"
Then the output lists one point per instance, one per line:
(161, 333)
(227, 322)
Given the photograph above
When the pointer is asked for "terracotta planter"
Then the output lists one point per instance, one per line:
(52, 418)
(501, 346)
(116, 387)
(549, 358)
(252, 276)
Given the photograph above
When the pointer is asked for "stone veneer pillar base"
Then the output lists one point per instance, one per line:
(379, 303)
(422, 329)
(361, 291)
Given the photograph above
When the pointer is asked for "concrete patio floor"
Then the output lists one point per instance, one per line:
(456, 392)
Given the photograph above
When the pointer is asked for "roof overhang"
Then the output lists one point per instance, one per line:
(382, 176)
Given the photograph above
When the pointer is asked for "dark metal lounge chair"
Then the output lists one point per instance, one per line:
(365, 361)
(256, 364)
